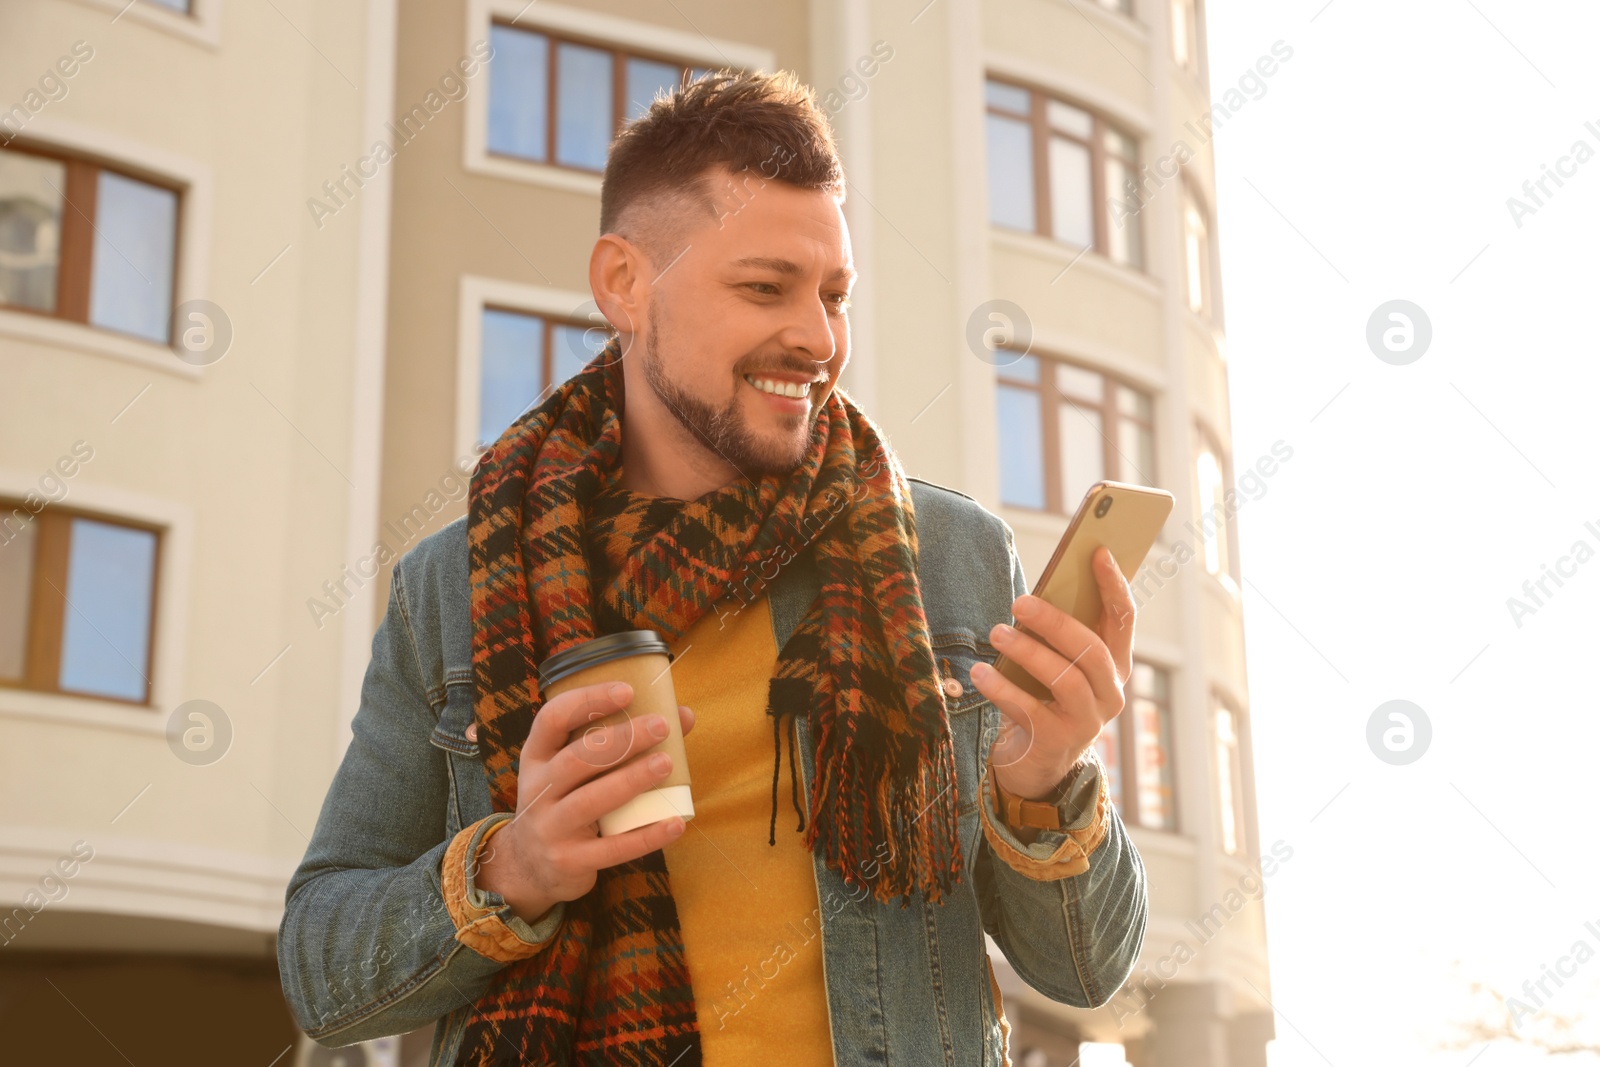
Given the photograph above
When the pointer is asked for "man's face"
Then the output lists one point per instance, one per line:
(746, 330)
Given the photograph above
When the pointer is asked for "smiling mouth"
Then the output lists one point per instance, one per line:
(779, 387)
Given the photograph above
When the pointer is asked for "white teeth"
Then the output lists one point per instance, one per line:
(772, 385)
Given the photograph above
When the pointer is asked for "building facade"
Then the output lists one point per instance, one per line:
(190, 369)
(1031, 207)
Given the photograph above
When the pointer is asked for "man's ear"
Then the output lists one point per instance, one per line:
(618, 280)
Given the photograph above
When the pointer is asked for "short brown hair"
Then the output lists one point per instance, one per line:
(767, 123)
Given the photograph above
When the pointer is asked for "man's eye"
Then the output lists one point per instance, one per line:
(839, 301)
(764, 287)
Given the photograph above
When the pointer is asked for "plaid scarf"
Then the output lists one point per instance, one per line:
(561, 554)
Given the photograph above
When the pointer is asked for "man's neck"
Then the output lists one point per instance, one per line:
(667, 461)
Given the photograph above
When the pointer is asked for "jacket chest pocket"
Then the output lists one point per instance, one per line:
(955, 654)
(456, 736)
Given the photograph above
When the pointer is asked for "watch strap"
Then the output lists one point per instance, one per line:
(1034, 814)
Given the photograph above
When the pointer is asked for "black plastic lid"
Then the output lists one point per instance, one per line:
(601, 650)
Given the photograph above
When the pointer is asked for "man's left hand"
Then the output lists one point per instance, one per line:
(1085, 671)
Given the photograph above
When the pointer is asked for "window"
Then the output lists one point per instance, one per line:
(1186, 34)
(1136, 750)
(1216, 526)
(85, 243)
(77, 603)
(1064, 427)
(1196, 253)
(1063, 172)
(1230, 780)
(561, 101)
(524, 356)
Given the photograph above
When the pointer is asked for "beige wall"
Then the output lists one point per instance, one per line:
(250, 461)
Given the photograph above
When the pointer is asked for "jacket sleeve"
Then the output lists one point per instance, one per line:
(1069, 908)
(383, 930)
(1085, 813)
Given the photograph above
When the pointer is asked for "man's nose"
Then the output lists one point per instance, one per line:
(809, 334)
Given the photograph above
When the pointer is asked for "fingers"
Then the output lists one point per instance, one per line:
(1014, 702)
(575, 769)
(609, 791)
(1117, 611)
(602, 852)
(1020, 709)
(1062, 644)
(595, 749)
(556, 721)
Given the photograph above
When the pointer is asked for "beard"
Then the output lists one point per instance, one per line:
(724, 430)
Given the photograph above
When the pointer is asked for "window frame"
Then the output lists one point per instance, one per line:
(1248, 847)
(1127, 769)
(547, 355)
(74, 277)
(1040, 133)
(200, 25)
(1207, 441)
(619, 55)
(1192, 196)
(474, 294)
(563, 20)
(1050, 400)
(47, 611)
(1193, 38)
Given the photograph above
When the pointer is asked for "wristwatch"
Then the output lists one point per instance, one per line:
(1035, 814)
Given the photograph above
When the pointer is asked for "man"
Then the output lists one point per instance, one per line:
(741, 506)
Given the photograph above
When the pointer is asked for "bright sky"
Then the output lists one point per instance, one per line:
(1420, 497)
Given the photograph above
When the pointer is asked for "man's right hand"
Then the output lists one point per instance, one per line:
(571, 773)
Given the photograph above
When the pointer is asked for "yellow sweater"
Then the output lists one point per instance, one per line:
(748, 910)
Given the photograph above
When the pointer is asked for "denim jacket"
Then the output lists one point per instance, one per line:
(366, 948)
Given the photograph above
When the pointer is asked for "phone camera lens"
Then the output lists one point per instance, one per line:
(1101, 508)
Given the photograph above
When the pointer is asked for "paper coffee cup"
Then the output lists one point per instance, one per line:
(643, 660)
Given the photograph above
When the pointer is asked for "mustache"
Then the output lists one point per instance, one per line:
(810, 367)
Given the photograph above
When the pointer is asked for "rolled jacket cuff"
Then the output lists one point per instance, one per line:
(1084, 808)
(484, 921)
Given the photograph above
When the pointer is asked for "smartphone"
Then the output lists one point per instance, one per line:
(1126, 519)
